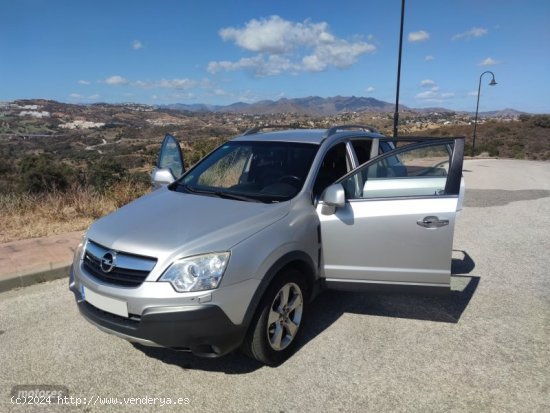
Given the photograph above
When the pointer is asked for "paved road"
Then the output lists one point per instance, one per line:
(483, 348)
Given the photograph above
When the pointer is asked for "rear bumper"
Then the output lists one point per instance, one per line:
(204, 330)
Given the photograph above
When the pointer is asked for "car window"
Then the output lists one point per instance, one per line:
(419, 171)
(362, 149)
(226, 171)
(263, 171)
(170, 156)
(334, 166)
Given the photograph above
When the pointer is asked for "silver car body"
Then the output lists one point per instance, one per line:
(384, 239)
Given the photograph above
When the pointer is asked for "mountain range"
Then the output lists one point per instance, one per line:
(318, 106)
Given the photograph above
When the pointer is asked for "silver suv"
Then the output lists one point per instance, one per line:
(230, 253)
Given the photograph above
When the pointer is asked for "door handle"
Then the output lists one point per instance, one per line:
(432, 222)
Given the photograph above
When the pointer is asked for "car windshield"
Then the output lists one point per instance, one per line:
(251, 171)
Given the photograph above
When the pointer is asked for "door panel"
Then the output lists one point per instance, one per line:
(380, 240)
(397, 224)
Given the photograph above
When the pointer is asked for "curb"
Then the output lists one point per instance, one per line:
(25, 280)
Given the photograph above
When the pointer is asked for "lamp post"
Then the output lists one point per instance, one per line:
(396, 114)
(491, 83)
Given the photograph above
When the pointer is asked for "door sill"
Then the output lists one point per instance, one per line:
(386, 286)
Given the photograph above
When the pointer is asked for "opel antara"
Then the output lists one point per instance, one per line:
(229, 253)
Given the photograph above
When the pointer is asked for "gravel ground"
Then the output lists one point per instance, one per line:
(485, 347)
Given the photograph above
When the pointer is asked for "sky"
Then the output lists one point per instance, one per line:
(221, 52)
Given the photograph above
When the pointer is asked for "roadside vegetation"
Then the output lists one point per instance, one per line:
(528, 138)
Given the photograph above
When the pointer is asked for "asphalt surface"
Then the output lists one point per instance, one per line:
(485, 347)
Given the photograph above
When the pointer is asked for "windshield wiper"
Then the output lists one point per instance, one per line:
(220, 194)
(231, 195)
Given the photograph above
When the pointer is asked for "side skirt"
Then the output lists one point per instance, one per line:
(386, 287)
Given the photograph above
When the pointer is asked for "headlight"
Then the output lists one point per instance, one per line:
(81, 248)
(201, 272)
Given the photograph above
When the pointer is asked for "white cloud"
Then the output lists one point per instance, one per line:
(370, 89)
(427, 83)
(176, 83)
(136, 45)
(185, 95)
(434, 95)
(286, 46)
(84, 82)
(78, 96)
(471, 34)
(489, 62)
(473, 93)
(220, 92)
(429, 58)
(243, 63)
(419, 36)
(115, 81)
(166, 83)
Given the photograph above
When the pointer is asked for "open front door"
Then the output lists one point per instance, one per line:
(397, 222)
(170, 165)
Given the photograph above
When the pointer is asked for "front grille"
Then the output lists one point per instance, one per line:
(129, 270)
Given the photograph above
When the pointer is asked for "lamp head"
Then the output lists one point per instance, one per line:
(493, 82)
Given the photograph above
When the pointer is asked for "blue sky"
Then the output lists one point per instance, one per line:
(220, 52)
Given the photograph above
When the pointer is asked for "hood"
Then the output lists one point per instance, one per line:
(167, 223)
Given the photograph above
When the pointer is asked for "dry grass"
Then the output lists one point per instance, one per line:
(36, 215)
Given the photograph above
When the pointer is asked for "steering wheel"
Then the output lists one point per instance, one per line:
(436, 170)
(440, 164)
(290, 180)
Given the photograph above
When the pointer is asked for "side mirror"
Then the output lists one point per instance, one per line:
(161, 177)
(333, 197)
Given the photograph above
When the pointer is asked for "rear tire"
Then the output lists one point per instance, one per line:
(277, 323)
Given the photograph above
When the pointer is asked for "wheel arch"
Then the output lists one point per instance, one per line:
(298, 260)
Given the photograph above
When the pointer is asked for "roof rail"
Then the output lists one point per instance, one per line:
(257, 129)
(364, 128)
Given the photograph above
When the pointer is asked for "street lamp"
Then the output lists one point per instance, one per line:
(491, 83)
(396, 114)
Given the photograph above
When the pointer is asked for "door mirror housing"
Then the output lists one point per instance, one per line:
(333, 197)
(161, 177)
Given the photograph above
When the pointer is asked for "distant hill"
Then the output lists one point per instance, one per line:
(312, 105)
(318, 106)
(503, 113)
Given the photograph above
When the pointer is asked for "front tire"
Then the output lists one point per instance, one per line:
(274, 330)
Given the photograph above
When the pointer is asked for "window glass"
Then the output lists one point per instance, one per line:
(334, 166)
(362, 150)
(226, 171)
(170, 156)
(420, 171)
(262, 171)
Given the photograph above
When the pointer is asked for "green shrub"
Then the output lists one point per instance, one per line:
(43, 174)
(541, 121)
(105, 173)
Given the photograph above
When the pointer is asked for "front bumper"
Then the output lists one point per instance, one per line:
(204, 330)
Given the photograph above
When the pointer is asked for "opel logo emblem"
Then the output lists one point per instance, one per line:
(107, 262)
